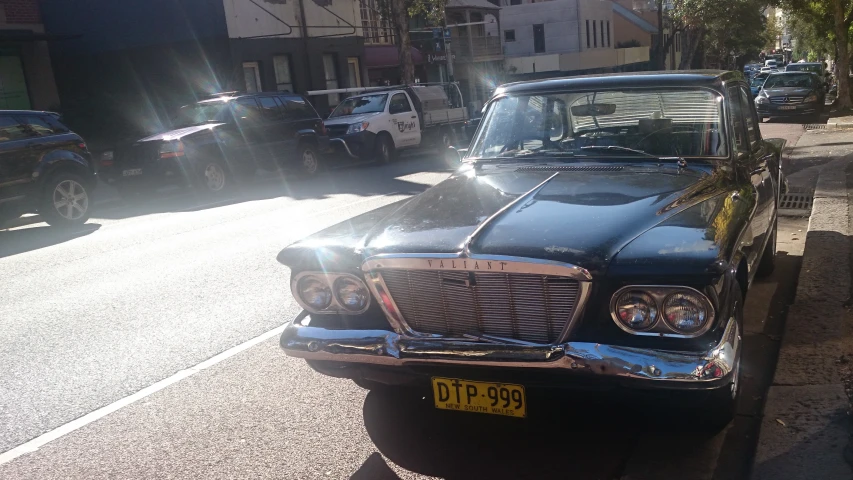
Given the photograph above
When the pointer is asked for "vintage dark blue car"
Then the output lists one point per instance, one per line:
(601, 230)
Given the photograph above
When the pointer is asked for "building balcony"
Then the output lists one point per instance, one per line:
(477, 49)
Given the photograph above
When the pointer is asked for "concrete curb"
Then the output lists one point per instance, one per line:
(828, 126)
(804, 428)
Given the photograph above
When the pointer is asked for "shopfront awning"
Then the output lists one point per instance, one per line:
(385, 56)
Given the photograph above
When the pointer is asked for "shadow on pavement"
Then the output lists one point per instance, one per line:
(13, 242)
(363, 181)
(591, 435)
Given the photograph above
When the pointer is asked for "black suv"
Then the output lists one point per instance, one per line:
(45, 168)
(218, 139)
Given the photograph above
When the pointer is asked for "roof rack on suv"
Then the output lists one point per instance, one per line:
(222, 94)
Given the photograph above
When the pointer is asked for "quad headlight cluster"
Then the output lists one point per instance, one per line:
(668, 311)
(320, 292)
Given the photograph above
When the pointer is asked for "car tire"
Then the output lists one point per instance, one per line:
(310, 163)
(720, 407)
(446, 139)
(213, 177)
(385, 151)
(66, 201)
(768, 258)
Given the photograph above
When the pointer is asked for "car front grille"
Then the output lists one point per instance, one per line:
(521, 306)
(786, 100)
(337, 130)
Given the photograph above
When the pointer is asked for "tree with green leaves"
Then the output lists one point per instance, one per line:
(400, 12)
(821, 14)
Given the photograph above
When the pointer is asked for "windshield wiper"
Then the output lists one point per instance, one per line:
(619, 149)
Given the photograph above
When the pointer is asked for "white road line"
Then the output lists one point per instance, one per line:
(42, 440)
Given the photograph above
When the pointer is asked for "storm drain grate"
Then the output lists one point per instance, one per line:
(797, 202)
(815, 126)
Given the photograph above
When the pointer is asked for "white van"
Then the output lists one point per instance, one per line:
(771, 63)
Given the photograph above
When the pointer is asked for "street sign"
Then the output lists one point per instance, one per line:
(447, 34)
(436, 33)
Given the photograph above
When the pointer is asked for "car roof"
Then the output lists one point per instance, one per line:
(800, 72)
(693, 78)
(26, 112)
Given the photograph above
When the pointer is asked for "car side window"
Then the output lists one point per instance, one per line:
(55, 124)
(246, 110)
(736, 113)
(752, 133)
(269, 108)
(399, 104)
(37, 125)
(298, 109)
(12, 129)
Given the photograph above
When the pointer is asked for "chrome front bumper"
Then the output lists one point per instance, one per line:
(670, 369)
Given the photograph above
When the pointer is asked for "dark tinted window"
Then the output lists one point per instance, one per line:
(269, 107)
(736, 113)
(399, 104)
(751, 120)
(11, 129)
(38, 125)
(246, 109)
(54, 123)
(298, 108)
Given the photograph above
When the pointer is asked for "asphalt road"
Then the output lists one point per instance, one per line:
(147, 293)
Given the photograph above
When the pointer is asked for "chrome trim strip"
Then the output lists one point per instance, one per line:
(346, 147)
(466, 252)
(373, 266)
(335, 306)
(660, 328)
(704, 369)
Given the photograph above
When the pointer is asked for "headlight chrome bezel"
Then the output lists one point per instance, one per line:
(335, 307)
(660, 294)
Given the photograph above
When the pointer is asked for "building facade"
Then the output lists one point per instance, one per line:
(26, 74)
(565, 37)
(124, 69)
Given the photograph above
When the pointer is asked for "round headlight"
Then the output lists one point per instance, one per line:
(314, 293)
(351, 294)
(686, 312)
(636, 310)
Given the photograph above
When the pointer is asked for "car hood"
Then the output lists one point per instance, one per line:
(788, 91)
(179, 133)
(580, 217)
(350, 119)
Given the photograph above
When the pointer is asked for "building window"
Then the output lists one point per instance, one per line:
(353, 72)
(587, 34)
(594, 35)
(283, 80)
(608, 33)
(375, 28)
(331, 77)
(509, 35)
(252, 76)
(601, 24)
(539, 38)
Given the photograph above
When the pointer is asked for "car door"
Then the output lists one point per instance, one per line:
(275, 129)
(405, 127)
(243, 140)
(20, 151)
(753, 162)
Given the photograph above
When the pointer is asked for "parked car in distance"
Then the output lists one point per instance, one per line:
(218, 140)
(380, 121)
(786, 94)
(756, 82)
(45, 168)
(602, 232)
(815, 67)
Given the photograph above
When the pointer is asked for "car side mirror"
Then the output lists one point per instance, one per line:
(453, 156)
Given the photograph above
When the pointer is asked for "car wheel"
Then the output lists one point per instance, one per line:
(720, 406)
(385, 148)
(213, 177)
(66, 201)
(447, 139)
(309, 161)
(768, 257)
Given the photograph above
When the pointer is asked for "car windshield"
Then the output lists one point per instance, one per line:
(637, 122)
(361, 104)
(201, 113)
(757, 81)
(796, 80)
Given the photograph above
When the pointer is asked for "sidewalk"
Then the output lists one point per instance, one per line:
(805, 427)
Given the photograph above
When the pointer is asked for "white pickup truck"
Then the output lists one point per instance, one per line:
(380, 121)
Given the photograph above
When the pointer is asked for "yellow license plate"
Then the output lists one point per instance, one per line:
(479, 397)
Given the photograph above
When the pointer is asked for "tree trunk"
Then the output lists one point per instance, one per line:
(688, 51)
(843, 59)
(400, 17)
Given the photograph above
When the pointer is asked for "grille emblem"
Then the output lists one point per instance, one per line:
(787, 100)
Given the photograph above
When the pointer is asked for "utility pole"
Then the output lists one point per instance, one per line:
(447, 49)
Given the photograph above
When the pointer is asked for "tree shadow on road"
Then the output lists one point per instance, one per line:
(14, 242)
(363, 181)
